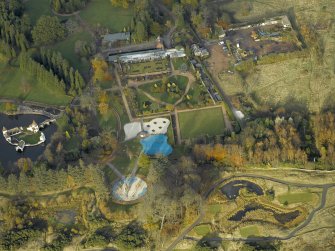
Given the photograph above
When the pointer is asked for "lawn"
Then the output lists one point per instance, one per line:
(157, 90)
(36, 8)
(67, 49)
(30, 138)
(17, 85)
(201, 122)
(147, 67)
(249, 231)
(202, 230)
(295, 197)
(102, 13)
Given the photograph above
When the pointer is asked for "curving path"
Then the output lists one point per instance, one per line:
(324, 187)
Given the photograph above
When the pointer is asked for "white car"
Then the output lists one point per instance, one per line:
(221, 42)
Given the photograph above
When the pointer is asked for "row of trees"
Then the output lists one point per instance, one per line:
(68, 6)
(324, 125)
(33, 68)
(61, 68)
(40, 179)
(14, 26)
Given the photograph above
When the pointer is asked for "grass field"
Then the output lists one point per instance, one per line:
(295, 197)
(67, 48)
(201, 122)
(202, 230)
(16, 85)
(36, 8)
(102, 13)
(249, 231)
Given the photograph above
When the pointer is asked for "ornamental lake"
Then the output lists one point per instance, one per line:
(8, 154)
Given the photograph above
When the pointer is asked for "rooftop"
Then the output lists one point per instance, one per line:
(116, 37)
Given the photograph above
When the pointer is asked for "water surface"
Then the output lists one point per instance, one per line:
(8, 154)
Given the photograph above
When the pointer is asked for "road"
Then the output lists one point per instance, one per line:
(324, 188)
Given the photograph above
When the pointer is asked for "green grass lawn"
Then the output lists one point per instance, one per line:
(67, 49)
(36, 8)
(30, 138)
(202, 230)
(16, 85)
(168, 97)
(201, 122)
(102, 13)
(295, 197)
(249, 231)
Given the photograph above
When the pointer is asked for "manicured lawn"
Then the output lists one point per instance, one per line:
(249, 231)
(17, 85)
(30, 138)
(160, 93)
(295, 197)
(67, 49)
(102, 13)
(202, 230)
(201, 122)
(36, 8)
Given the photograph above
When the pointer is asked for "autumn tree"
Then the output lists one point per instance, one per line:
(100, 68)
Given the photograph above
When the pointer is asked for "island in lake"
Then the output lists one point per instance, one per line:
(26, 136)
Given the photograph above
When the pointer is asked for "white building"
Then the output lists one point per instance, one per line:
(149, 55)
(33, 127)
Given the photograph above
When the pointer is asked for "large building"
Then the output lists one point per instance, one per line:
(134, 57)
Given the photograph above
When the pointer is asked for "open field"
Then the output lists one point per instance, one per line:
(16, 85)
(201, 122)
(102, 13)
(67, 48)
(295, 197)
(249, 231)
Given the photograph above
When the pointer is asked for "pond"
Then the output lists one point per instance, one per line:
(156, 144)
(281, 218)
(8, 154)
(231, 189)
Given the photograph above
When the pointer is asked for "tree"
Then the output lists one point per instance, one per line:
(24, 164)
(100, 68)
(133, 236)
(48, 30)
